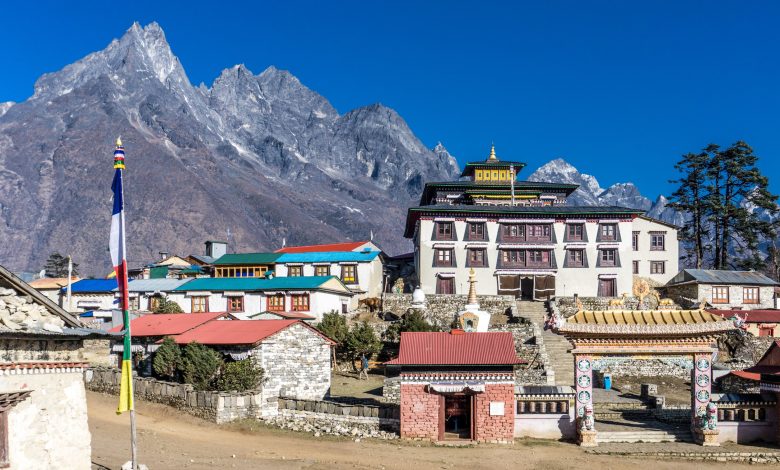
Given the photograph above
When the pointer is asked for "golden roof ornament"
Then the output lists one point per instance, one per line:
(118, 141)
(492, 153)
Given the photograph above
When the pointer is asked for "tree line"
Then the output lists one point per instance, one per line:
(730, 214)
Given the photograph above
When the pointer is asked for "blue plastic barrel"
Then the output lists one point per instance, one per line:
(607, 381)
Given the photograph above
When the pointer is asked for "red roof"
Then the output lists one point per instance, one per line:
(345, 246)
(290, 315)
(458, 348)
(751, 316)
(769, 364)
(238, 332)
(744, 375)
(166, 324)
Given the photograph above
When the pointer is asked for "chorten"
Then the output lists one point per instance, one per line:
(472, 318)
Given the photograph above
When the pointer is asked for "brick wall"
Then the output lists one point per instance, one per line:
(419, 413)
(495, 428)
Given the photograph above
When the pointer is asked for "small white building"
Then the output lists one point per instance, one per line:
(51, 286)
(723, 290)
(249, 296)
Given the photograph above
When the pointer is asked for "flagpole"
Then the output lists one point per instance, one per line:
(119, 259)
(70, 278)
(512, 182)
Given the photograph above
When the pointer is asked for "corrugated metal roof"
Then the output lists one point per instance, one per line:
(155, 285)
(166, 324)
(643, 317)
(248, 259)
(344, 246)
(239, 332)
(445, 348)
(93, 286)
(253, 283)
(714, 276)
(327, 257)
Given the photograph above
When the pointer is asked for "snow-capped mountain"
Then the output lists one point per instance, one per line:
(260, 155)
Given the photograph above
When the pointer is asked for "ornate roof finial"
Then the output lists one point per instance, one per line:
(492, 152)
(472, 300)
(119, 141)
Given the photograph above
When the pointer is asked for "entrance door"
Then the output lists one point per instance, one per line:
(607, 288)
(527, 288)
(445, 285)
(509, 285)
(457, 416)
(544, 288)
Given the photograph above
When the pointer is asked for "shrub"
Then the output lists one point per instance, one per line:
(167, 306)
(167, 359)
(334, 326)
(362, 340)
(412, 321)
(200, 365)
(240, 376)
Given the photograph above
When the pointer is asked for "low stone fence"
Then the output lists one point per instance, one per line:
(219, 407)
(441, 309)
(335, 418)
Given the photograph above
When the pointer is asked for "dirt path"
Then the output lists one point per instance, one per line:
(172, 440)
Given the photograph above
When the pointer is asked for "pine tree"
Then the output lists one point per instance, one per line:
(689, 197)
(57, 266)
(167, 359)
(362, 339)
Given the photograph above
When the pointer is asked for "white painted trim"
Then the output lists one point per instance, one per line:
(444, 219)
(500, 272)
(476, 220)
(608, 276)
(445, 275)
(532, 246)
(526, 221)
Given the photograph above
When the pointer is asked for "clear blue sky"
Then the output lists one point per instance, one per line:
(620, 89)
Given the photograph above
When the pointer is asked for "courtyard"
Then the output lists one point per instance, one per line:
(170, 439)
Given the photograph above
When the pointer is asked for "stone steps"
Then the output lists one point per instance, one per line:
(556, 347)
(639, 435)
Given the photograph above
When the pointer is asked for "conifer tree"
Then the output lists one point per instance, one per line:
(689, 197)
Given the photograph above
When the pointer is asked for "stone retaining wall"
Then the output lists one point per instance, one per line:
(441, 309)
(219, 407)
(368, 418)
(626, 366)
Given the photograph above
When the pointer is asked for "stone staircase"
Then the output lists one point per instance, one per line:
(557, 347)
(644, 435)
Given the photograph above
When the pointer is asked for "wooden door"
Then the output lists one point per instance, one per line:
(607, 288)
(445, 285)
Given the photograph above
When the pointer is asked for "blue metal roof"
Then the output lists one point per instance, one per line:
(328, 257)
(92, 286)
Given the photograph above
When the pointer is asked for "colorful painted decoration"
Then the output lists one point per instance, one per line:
(583, 396)
(583, 381)
(583, 365)
(703, 364)
(703, 395)
(702, 380)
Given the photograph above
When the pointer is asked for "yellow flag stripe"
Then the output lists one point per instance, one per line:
(126, 388)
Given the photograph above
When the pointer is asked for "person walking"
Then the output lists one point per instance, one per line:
(364, 368)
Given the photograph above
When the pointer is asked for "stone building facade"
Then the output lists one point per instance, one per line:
(724, 290)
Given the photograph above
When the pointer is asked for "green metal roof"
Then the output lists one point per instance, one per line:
(468, 170)
(218, 284)
(246, 259)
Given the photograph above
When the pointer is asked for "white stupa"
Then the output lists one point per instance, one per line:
(471, 318)
(418, 299)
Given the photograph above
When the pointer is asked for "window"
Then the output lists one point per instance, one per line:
(576, 258)
(200, 304)
(477, 258)
(513, 232)
(300, 302)
(445, 285)
(608, 232)
(635, 241)
(476, 231)
(275, 303)
(444, 231)
(657, 241)
(574, 232)
(322, 270)
(443, 258)
(750, 295)
(766, 331)
(349, 273)
(657, 267)
(608, 257)
(135, 303)
(538, 233)
(635, 265)
(512, 258)
(235, 304)
(720, 294)
(295, 271)
(538, 258)
(154, 303)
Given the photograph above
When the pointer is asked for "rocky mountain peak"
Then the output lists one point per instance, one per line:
(4, 107)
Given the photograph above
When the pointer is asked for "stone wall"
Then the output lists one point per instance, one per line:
(391, 390)
(96, 352)
(340, 418)
(49, 428)
(441, 309)
(625, 366)
(529, 347)
(568, 305)
(297, 365)
(219, 407)
(734, 384)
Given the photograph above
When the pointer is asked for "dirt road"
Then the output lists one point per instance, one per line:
(172, 440)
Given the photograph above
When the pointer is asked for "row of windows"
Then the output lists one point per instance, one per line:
(507, 258)
(241, 271)
(200, 303)
(348, 272)
(524, 232)
(606, 287)
(750, 295)
(656, 267)
(657, 241)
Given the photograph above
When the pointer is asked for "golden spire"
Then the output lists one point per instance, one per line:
(492, 153)
(472, 300)
(118, 141)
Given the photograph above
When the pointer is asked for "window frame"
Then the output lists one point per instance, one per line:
(296, 306)
(319, 267)
(198, 298)
(604, 260)
(571, 259)
(635, 241)
(545, 230)
(472, 263)
(297, 269)
(353, 279)
(506, 260)
(752, 301)
(654, 264)
(654, 246)
(507, 228)
(613, 237)
(720, 299)
(575, 237)
(231, 308)
(440, 261)
(635, 267)
(272, 304)
(440, 234)
(471, 231)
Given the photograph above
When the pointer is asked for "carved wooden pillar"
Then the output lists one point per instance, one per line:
(583, 378)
